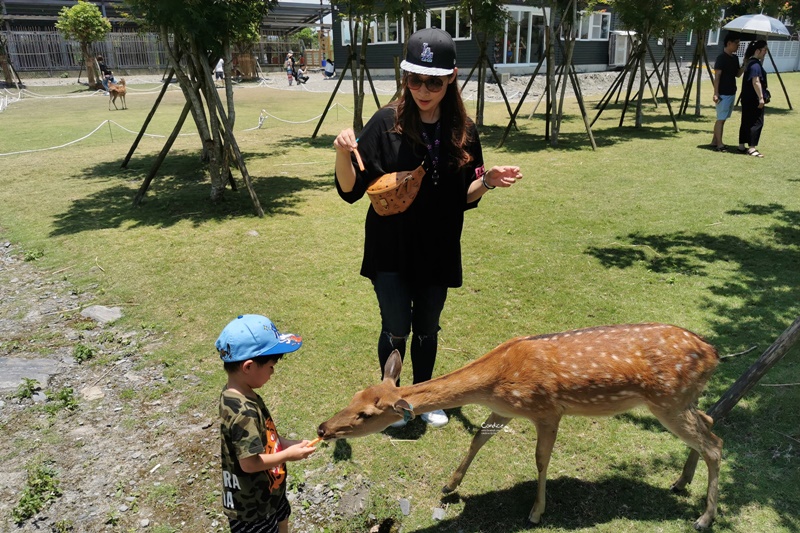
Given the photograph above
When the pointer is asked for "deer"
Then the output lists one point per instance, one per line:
(117, 90)
(600, 371)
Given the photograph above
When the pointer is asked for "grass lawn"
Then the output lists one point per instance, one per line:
(653, 226)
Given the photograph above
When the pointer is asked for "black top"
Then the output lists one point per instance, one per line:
(729, 65)
(753, 70)
(104, 69)
(424, 242)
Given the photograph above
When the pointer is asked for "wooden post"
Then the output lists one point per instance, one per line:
(147, 120)
(333, 95)
(778, 74)
(164, 151)
(747, 381)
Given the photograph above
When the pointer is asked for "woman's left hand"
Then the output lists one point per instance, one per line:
(503, 176)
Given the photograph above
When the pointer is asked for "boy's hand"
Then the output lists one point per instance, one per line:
(299, 451)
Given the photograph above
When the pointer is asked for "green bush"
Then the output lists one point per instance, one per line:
(41, 489)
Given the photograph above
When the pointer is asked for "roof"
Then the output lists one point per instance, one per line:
(286, 17)
(289, 17)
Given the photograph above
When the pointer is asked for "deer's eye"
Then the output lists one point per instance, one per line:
(363, 416)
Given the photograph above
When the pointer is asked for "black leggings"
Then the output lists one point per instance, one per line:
(752, 123)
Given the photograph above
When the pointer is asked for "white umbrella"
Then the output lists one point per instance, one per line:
(759, 25)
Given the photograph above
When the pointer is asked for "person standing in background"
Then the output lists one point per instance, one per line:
(754, 97)
(726, 70)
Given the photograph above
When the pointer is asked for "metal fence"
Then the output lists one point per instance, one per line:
(48, 51)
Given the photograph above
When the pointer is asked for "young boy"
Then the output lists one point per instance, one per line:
(253, 455)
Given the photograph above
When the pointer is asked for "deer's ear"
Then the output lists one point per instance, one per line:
(391, 371)
(404, 409)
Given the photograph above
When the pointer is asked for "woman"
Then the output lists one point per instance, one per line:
(413, 257)
(754, 97)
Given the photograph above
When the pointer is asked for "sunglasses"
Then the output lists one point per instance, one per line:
(433, 84)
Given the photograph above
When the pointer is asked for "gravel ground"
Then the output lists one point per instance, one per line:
(592, 84)
(127, 457)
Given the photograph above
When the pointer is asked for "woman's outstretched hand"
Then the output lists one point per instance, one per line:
(503, 176)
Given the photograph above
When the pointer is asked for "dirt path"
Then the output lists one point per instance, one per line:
(127, 458)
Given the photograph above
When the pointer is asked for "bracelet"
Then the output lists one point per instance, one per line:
(483, 179)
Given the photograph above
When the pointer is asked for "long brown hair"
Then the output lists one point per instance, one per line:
(453, 117)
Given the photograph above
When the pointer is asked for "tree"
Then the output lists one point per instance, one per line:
(405, 11)
(84, 23)
(488, 19)
(359, 14)
(195, 35)
(648, 19)
(773, 8)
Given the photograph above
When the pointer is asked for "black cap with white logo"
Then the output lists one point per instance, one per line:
(431, 52)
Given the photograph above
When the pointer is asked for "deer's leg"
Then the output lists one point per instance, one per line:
(489, 428)
(692, 427)
(691, 462)
(546, 433)
(688, 472)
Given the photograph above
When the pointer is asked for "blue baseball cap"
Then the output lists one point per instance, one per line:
(249, 336)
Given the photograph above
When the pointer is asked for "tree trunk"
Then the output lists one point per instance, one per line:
(642, 80)
(701, 42)
(362, 68)
(481, 87)
(207, 122)
(88, 60)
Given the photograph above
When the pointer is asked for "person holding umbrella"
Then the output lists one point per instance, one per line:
(754, 97)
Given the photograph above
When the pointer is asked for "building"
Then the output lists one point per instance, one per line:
(602, 43)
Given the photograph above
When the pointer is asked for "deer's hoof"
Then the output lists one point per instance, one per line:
(703, 523)
(677, 488)
(447, 490)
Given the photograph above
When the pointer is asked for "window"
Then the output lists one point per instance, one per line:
(713, 35)
(522, 40)
(451, 20)
(594, 26)
(380, 31)
(385, 31)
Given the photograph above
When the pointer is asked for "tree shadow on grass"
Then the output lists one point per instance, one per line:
(178, 193)
(750, 305)
(527, 141)
(571, 504)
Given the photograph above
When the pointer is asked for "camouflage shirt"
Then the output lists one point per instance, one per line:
(247, 429)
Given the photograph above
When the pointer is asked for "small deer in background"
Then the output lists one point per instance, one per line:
(117, 90)
(588, 372)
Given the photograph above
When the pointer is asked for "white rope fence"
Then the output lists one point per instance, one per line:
(265, 115)
(107, 121)
(261, 119)
(8, 97)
